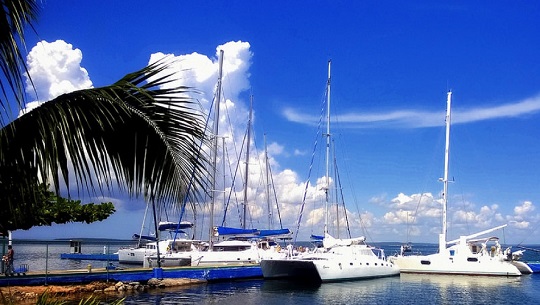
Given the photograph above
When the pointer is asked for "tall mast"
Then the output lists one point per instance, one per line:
(442, 237)
(327, 148)
(269, 206)
(214, 154)
(247, 161)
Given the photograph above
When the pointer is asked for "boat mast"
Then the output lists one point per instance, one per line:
(327, 148)
(442, 237)
(247, 161)
(214, 155)
(267, 184)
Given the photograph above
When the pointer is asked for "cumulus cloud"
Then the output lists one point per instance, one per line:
(525, 208)
(55, 69)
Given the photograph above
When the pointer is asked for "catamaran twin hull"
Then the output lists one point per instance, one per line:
(325, 270)
(444, 264)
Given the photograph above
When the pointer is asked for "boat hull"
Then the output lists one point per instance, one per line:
(171, 260)
(303, 270)
(133, 256)
(327, 270)
(524, 268)
(213, 258)
(444, 264)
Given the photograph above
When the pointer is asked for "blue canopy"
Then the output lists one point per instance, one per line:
(276, 232)
(235, 231)
(316, 237)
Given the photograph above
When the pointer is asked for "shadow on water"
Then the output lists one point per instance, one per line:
(289, 285)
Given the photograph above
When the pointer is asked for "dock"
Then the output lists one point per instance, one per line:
(79, 276)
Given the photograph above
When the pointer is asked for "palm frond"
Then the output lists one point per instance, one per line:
(135, 134)
(16, 16)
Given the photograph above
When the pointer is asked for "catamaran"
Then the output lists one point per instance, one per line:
(337, 259)
(471, 254)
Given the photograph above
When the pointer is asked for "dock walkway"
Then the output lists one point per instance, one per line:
(78, 276)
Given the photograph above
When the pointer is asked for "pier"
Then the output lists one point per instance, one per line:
(79, 276)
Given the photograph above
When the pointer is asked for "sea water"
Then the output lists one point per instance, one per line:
(402, 289)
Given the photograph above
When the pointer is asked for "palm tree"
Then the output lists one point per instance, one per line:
(135, 134)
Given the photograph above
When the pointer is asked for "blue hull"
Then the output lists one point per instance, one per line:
(535, 266)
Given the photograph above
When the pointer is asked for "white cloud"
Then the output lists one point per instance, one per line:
(420, 119)
(298, 152)
(55, 69)
(524, 209)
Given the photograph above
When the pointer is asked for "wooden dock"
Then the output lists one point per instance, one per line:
(79, 276)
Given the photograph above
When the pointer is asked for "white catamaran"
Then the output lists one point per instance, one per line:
(469, 255)
(338, 259)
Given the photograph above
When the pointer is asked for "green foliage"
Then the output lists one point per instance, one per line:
(48, 208)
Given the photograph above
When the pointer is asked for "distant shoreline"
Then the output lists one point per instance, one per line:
(91, 241)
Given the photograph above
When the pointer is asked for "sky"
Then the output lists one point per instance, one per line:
(393, 63)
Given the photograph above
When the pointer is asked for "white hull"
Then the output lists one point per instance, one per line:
(205, 258)
(522, 267)
(133, 256)
(459, 259)
(235, 252)
(339, 263)
(330, 270)
(169, 260)
(442, 264)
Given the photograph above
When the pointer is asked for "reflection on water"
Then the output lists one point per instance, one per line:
(404, 289)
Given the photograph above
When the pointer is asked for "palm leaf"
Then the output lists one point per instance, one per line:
(16, 15)
(135, 134)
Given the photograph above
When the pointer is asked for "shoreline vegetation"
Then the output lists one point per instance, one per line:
(99, 290)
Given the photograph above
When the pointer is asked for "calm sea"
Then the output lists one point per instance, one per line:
(403, 289)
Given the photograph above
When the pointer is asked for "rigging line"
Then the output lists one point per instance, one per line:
(310, 166)
(534, 229)
(271, 178)
(190, 184)
(233, 182)
(275, 197)
(340, 190)
(344, 152)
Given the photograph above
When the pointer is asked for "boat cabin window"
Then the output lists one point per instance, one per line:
(179, 246)
(472, 259)
(425, 262)
(231, 248)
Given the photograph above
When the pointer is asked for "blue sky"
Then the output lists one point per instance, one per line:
(392, 64)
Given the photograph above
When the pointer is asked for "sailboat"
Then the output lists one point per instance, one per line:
(241, 246)
(147, 245)
(337, 259)
(467, 255)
